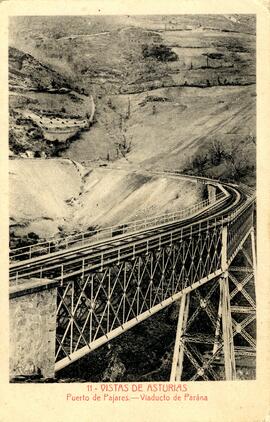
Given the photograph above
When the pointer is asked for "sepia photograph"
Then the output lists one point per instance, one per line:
(132, 198)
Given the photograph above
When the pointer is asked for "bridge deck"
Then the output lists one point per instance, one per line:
(111, 285)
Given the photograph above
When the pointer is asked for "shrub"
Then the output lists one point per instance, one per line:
(228, 160)
(33, 236)
(159, 52)
(199, 164)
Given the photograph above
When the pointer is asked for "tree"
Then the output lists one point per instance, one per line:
(122, 144)
(199, 164)
(237, 162)
(54, 84)
(121, 122)
(217, 152)
(128, 110)
(251, 138)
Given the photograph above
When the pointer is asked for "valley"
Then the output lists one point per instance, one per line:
(97, 104)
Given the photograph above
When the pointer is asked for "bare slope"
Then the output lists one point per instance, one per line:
(158, 112)
(165, 89)
(51, 196)
(169, 125)
(39, 194)
(163, 86)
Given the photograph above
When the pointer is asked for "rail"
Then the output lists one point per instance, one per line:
(80, 260)
(91, 236)
(105, 288)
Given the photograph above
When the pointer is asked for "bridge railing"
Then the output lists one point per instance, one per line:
(239, 225)
(97, 260)
(117, 252)
(91, 236)
(124, 291)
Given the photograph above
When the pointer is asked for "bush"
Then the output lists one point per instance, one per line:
(33, 236)
(159, 52)
(199, 164)
(231, 160)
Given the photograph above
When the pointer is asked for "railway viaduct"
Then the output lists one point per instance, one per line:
(69, 297)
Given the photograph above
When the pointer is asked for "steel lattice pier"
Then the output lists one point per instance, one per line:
(199, 270)
(205, 262)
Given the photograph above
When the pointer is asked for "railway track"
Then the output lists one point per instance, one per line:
(105, 288)
(63, 264)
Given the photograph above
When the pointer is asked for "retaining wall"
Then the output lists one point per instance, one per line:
(32, 334)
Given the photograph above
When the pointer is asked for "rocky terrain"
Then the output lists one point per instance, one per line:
(45, 110)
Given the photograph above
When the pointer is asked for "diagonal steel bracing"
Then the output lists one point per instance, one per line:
(207, 268)
(227, 307)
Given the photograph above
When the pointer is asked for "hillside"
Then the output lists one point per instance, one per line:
(128, 93)
(45, 109)
(27, 73)
(206, 47)
(165, 88)
(65, 197)
(166, 92)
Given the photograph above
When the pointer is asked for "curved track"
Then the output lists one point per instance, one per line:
(63, 264)
(106, 288)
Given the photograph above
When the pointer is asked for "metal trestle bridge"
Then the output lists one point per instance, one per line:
(106, 284)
